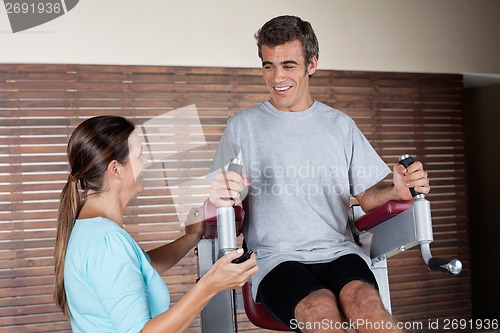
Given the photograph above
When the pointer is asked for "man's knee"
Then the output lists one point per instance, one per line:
(357, 295)
(318, 297)
(317, 301)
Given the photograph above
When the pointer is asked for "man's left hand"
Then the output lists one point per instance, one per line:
(414, 176)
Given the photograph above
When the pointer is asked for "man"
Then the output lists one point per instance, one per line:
(303, 160)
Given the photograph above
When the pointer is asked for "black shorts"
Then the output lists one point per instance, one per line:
(288, 283)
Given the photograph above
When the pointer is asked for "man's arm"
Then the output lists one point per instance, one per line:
(402, 179)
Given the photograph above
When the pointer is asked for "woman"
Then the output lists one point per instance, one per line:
(103, 280)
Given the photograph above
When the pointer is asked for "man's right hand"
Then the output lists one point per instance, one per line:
(226, 189)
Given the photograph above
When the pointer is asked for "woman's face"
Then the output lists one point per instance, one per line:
(137, 159)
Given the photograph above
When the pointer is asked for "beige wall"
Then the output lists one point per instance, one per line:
(446, 36)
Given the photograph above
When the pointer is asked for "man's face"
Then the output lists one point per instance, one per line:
(287, 76)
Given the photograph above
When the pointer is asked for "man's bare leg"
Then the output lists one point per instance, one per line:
(361, 304)
(318, 306)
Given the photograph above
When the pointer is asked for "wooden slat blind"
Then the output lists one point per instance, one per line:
(40, 105)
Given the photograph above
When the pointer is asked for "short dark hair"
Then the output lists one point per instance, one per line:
(283, 29)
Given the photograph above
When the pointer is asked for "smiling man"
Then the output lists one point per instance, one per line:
(303, 160)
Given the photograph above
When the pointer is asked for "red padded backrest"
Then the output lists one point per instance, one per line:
(257, 314)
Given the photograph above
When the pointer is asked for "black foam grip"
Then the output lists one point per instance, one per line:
(406, 162)
(244, 257)
(438, 264)
(235, 167)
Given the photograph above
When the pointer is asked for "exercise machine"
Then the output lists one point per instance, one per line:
(389, 229)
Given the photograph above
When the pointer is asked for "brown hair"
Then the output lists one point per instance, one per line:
(284, 29)
(92, 146)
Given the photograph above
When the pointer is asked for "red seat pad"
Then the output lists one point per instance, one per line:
(209, 224)
(257, 313)
(382, 213)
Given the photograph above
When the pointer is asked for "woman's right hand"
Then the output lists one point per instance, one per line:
(225, 275)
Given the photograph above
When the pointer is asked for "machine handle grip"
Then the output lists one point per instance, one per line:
(226, 222)
(244, 257)
(406, 160)
(451, 266)
(236, 166)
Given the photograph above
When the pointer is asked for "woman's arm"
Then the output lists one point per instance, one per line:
(165, 257)
(223, 275)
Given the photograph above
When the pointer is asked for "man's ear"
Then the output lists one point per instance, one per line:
(313, 65)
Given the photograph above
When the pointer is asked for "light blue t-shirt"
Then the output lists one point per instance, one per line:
(109, 281)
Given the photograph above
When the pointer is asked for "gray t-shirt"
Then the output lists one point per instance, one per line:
(303, 168)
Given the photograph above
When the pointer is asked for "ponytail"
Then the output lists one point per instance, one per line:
(92, 146)
(69, 208)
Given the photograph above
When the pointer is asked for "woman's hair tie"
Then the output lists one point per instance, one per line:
(72, 179)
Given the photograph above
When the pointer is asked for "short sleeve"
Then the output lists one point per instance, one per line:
(114, 272)
(227, 149)
(366, 167)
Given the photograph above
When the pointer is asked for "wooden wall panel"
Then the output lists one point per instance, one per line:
(40, 105)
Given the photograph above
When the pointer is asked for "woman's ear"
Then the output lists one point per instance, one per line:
(114, 169)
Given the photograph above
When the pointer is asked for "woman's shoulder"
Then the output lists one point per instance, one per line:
(94, 233)
(95, 227)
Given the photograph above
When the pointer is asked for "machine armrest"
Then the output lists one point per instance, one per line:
(209, 224)
(382, 213)
(406, 224)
